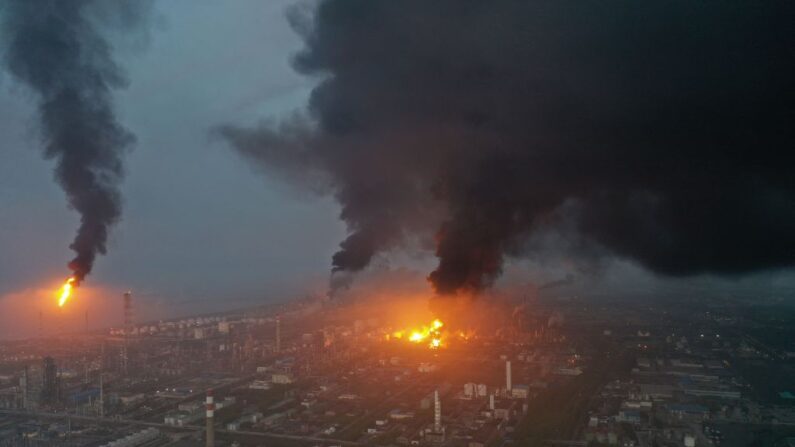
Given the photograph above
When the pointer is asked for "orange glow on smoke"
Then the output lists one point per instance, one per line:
(66, 291)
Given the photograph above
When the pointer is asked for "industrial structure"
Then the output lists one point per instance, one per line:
(508, 384)
(436, 434)
(336, 367)
(50, 388)
(278, 334)
(101, 395)
(141, 438)
(127, 331)
(437, 412)
(210, 420)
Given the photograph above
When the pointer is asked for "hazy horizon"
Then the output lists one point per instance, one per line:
(204, 228)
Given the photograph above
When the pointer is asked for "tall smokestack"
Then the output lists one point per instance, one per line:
(508, 378)
(437, 412)
(127, 309)
(101, 396)
(210, 436)
(23, 384)
(278, 334)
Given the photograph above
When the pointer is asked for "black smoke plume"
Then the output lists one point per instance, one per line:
(662, 129)
(55, 48)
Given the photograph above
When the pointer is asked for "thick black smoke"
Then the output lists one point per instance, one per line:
(55, 48)
(662, 129)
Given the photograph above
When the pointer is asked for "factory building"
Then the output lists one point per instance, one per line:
(137, 439)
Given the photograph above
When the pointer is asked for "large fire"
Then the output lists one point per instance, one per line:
(66, 291)
(431, 334)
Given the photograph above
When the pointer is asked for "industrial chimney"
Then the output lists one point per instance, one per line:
(101, 395)
(23, 385)
(437, 412)
(127, 308)
(508, 385)
(278, 334)
(210, 436)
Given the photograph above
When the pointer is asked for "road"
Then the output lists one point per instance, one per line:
(131, 422)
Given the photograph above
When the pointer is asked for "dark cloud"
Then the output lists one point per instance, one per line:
(665, 128)
(56, 49)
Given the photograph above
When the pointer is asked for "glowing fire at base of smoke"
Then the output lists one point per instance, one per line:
(431, 334)
(66, 291)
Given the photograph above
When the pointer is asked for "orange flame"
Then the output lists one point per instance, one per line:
(66, 291)
(431, 334)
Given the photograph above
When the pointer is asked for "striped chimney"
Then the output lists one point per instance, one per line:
(210, 406)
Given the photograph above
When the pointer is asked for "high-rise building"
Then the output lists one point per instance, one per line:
(50, 389)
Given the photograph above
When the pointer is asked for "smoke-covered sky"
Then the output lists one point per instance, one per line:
(57, 51)
(471, 137)
(655, 132)
(197, 223)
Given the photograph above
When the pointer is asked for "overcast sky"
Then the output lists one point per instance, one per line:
(198, 223)
(201, 229)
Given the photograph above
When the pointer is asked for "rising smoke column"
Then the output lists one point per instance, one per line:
(658, 131)
(55, 48)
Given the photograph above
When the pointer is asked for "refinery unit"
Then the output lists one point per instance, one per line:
(324, 374)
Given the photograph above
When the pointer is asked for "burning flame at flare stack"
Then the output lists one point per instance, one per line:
(66, 291)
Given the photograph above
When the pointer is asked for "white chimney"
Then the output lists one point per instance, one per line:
(508, 386)
(437, 412)
(278, 334)
(210, 405)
